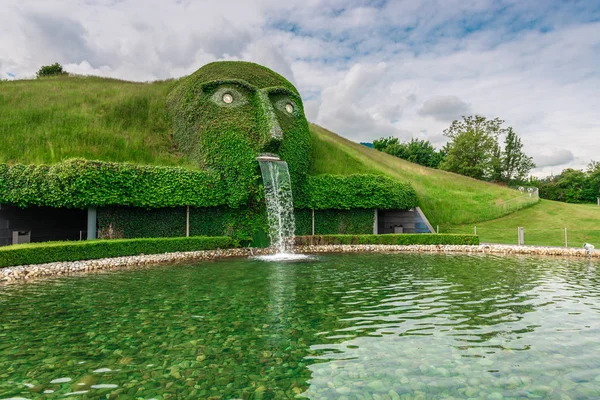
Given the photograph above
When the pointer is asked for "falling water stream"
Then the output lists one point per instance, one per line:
(280, 207)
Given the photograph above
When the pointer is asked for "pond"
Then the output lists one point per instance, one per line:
(354, 326)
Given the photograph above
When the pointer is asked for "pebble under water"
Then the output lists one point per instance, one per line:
(353, 326)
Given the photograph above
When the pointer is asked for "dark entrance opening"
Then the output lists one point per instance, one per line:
(41, 224)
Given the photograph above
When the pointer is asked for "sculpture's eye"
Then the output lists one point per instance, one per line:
(289, 108)
(229, 96)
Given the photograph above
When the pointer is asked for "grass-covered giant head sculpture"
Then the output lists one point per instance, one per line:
(228, 113)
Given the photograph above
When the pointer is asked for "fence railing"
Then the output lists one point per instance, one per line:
(551, 236)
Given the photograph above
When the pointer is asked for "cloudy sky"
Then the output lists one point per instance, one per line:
(366, 69)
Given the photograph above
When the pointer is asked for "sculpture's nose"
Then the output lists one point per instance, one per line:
(271, 132)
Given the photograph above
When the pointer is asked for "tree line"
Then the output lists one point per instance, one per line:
(571, 185)
(473, 150)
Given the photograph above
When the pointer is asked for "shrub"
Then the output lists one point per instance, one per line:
(400, 239)
(51, 70)
(345, 192)
(39, 253)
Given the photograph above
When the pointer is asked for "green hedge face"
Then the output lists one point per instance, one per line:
(228, 113)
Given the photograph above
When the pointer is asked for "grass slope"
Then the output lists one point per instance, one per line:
(52, 119)
(446, 198)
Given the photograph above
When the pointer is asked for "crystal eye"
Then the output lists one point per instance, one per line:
(227, 98)
(289, 108)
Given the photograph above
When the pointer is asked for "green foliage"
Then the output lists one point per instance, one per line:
(571, 185)
(515, 163)
(357, 221)
(227, 137)
(357, 191)
(39, 253)
(51, 70)
(81, 183)
(416, 151)
(474, 151)
(128, 222)
(470, 150)
(391, 239)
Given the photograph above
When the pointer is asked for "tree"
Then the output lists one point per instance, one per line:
(472, 146)
(515, 163)
(417, 151)
(51, 70)
(383, 143)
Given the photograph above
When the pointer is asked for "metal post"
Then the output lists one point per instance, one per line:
(598, 198)
(313, 222)
(566, 239)
(437, 230)
(187, 222)
(521, 236)
(474, 230)
(91, 223)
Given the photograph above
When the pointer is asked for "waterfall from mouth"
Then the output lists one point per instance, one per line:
(280, 204)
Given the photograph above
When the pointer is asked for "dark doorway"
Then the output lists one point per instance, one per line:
(41, 224)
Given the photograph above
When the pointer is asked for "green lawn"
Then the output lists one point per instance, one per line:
(544, 224)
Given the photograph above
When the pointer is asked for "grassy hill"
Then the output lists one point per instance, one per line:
(445, 197)
(52, 119)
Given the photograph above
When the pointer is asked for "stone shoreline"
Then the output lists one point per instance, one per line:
(28, 272)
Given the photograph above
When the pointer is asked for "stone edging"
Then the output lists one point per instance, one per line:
(27, 272)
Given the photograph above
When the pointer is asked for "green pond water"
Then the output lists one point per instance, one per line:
(383, 326)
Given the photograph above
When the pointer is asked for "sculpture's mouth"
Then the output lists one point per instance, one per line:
(268, 157)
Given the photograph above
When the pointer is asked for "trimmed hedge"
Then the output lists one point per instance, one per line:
(39, 253)
(79, 183)
(391, 239)
(345, 192)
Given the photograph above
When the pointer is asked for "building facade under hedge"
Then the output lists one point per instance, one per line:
(80, 199)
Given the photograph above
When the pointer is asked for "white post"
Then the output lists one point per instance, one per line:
(475, 230)
(437, 230)
(521, 235)
(187, 222)
(598, 198)
(566, 239)
(313, 222)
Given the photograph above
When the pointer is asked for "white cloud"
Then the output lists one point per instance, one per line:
(444, 108)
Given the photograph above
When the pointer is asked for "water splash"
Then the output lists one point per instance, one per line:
(280, 203)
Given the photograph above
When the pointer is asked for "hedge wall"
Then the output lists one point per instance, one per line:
(125, 222)
(39, 253)
(79, 183)
(390, 239)
(359, 221)
(345, 192)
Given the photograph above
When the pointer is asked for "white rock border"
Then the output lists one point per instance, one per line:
(28, 272)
